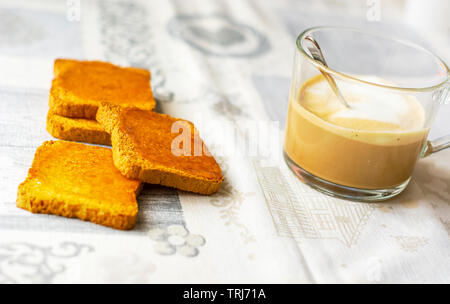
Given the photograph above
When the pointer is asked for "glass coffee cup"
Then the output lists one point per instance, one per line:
(365, 151)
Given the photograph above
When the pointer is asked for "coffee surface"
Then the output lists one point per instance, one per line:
(373, 144)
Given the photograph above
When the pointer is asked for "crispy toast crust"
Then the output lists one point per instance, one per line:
(141, 144)
(80, 181)
(77, 129)
(80, 86)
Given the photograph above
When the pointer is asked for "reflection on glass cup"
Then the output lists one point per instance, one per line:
(366, 151)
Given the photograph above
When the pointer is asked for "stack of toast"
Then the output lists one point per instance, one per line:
(101, 103)
(79, 87)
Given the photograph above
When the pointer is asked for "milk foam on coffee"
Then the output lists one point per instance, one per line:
(371, 108)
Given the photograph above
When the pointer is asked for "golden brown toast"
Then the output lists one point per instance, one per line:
(77, 129)
(77, 180)
(80, 86)
(142, 149)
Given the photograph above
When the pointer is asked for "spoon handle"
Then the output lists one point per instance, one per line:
(317, 54)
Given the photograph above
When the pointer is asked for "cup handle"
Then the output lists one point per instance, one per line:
(436, 145)
(443, 142)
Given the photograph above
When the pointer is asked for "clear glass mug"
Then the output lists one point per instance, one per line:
(367, 151)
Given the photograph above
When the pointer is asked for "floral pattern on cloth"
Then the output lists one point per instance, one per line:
(176, 239)
(30, 263)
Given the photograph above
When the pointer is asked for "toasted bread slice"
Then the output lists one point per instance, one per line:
(77, 180)
(77, 129)
(142, 149)
(80, 86)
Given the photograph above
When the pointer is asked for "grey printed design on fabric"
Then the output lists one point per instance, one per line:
(161, 214)
(15, 30)
(24, 127)
(274, 92)
(158, 207)
(226, 108)
(218, 35)
(299, 212)
(176, 239)
(127, 40)
(29, 263)
(33, 32)
(222, 104)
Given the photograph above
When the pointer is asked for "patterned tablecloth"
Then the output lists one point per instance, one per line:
(221, 64)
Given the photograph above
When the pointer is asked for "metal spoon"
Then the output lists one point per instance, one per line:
(316, 54)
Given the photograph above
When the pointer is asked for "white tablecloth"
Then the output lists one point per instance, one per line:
(211, 61)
